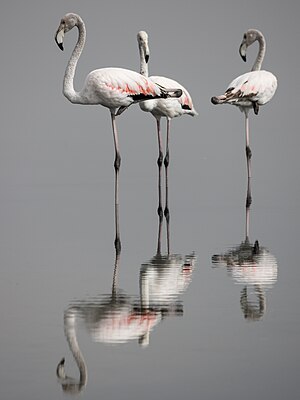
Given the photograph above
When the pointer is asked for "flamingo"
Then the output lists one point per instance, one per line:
(114, 88)
(168, 108)
(252, 89)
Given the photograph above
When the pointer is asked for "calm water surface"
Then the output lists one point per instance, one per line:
(216, 318)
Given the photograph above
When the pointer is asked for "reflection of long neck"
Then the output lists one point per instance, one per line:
(68, 85)
(261, 52)
(70, 384)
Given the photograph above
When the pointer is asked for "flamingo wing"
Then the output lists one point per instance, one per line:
(129, 83)
(185, 99)
(118, 88)
(255, 86)
(173, 107)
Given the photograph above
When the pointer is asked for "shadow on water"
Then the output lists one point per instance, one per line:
(117, 318)
(252, 266)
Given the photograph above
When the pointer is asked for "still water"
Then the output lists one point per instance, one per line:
(205, 306)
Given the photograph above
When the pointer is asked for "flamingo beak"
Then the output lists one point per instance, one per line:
(147, 56)
(59, 37)
(243, 50)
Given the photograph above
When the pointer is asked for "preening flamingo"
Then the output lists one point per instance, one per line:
(168, 108)
(252, 89)
(114, 88)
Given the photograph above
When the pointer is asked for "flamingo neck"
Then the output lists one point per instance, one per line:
(143, 65)
(68, 85)
(261, 52)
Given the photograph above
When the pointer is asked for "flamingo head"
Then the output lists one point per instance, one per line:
(142, 38)
(66, 24)
(249, 37)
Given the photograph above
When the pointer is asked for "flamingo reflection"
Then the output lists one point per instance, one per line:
(109, 318)
(254, 267)
(118, 318)
(164, 278)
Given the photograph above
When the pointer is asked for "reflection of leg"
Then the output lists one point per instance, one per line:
(166, 162)
(248, 150)
(159, 236)
(117, 165)
(159, 163)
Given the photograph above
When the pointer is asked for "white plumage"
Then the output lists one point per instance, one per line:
(171, 107)
(252, 87)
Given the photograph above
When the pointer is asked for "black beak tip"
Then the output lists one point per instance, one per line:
(62, 361)
(147, 58)
(244, 58)
(60, 45)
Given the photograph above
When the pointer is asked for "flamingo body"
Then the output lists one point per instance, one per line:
(252, 87)
(171, 107)
(117, 87)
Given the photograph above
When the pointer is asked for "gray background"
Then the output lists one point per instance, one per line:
(56, 198)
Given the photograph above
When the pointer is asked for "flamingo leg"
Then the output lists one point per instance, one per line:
(116, 275)
(248, 150)
(249, 195)
(166, 163)
(159, 163)
(248, 203)
(117, 165)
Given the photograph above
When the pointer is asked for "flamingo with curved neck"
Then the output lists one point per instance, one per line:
(250, 90)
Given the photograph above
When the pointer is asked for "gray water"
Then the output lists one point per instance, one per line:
(217, 318)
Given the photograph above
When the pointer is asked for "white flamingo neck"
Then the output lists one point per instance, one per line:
(261, 53)
(143, 65)
(68, 85)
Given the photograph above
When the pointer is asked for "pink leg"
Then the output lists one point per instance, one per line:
(249, 195)
(248, 203)
(248, 150)
(166, 162)
(159, 163)
(117, 165)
